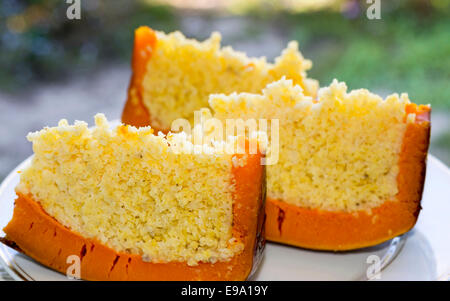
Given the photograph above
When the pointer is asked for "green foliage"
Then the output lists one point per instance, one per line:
(402, 52)
(38, 42)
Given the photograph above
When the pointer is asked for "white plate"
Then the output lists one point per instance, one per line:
(422, 254)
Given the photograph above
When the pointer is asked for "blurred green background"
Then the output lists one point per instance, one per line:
(44, 55)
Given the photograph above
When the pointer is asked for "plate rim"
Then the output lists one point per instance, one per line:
(6, 263)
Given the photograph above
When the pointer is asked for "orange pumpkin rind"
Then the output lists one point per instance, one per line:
(135, 113)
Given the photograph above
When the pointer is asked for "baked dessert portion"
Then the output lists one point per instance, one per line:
(137, 206)
(351, 165)
(172, 76)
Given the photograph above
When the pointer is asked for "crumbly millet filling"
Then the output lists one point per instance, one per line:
(132, 191)
(339, 153)
(182, 73)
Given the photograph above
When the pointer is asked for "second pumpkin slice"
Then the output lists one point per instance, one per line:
(347, 169)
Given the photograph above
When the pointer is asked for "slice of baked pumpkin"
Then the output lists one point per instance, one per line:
(350, 166)
(137, 206)
(172, 76)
